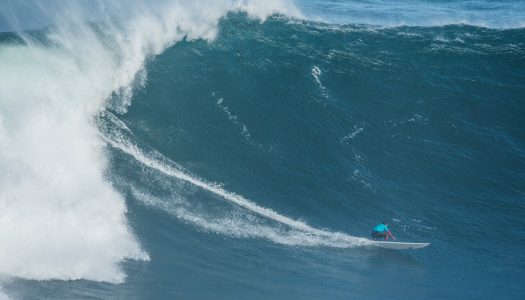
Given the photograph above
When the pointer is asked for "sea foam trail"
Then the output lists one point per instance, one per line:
(303, 233)
(238, 223)
(60, 218)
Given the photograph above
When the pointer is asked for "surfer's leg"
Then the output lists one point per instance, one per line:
(379, 235)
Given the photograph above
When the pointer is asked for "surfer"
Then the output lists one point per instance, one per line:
(382, 231)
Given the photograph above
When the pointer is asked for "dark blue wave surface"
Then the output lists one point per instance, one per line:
(250, 163)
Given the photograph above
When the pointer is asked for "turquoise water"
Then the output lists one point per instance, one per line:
(248, 159)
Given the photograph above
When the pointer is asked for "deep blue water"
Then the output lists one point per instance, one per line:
(227, 143)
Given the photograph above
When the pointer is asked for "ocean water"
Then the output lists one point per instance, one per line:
(245, 149)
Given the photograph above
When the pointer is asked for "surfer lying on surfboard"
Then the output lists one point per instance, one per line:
(381, 231)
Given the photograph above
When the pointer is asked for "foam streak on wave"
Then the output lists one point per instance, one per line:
(165, 166)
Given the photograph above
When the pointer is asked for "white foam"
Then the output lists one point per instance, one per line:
(352, 134)
(59, 216)
(233, 118)
(316, 73)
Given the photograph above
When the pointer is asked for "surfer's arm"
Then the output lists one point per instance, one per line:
(391, 235)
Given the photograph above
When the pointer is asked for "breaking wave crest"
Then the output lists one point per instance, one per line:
(60, 218)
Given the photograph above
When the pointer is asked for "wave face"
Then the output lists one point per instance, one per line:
(185, 152)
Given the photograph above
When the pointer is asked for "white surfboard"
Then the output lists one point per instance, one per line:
(398, 245)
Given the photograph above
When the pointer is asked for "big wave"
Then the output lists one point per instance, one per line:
(60, 217)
